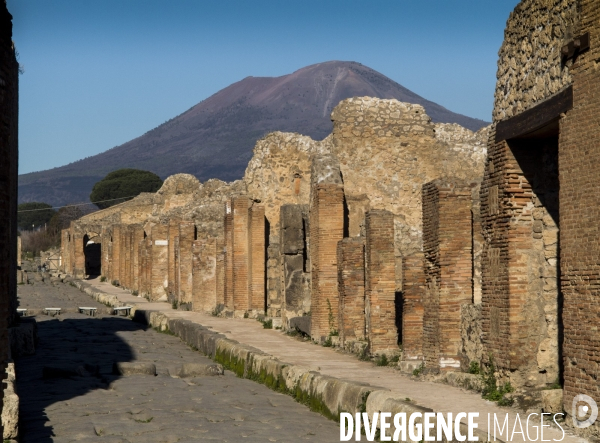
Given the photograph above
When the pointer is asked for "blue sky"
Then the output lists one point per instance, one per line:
(99, 73)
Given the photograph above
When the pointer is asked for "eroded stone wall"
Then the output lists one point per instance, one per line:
(530, 68)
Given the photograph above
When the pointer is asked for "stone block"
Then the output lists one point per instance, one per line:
(134, 368)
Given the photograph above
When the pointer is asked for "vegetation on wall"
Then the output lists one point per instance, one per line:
(122, 185)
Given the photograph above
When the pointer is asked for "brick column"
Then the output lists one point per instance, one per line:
(159, 261)
(380, 283)
(173, 232)
(351, 284)
(137, 236)
(413, 288)
(326, 230)
(78, 251)
(241, 296)
(116, 252)
(187, 235)
(257, 261)
(228, 228)
(204, 253)
(220, 241)
(447, 243)
(127, 249)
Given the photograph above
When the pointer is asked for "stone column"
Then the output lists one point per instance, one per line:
(447, 243)
(296, 281)
(351, 281)
(326, 230)
(380, 283)
(413, 288)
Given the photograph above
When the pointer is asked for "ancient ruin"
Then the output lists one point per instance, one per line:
(396, 236)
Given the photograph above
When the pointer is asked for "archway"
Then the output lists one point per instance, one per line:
(92, 248)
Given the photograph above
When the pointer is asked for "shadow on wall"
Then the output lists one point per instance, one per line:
(74, 357)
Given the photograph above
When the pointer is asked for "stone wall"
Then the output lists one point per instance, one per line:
(530, 68)
(296, 266)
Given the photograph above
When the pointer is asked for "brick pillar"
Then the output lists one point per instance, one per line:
(137, 237)
(380, 282)
(413, 288)
(64, 250)
(257, 258)
(187, 235)
(228, 228)
(173, 232)
(204, 253)
(326, 230)
(220, 241)
(351, 284)
(447, 244)
(104, 258)
(127, 249)
(116, 252)
(239, 207)
(159, 261)
(78, 252)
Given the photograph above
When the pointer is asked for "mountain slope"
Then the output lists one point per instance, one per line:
(215, 137)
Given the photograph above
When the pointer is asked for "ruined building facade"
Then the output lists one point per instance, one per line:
(395, 235)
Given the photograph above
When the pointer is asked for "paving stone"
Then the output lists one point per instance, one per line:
(88, 403)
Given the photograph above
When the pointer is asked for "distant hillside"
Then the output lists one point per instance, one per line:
(215, 138)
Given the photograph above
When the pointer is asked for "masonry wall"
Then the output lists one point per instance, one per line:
(413, 292)
(447, 244)
(241, 242)
(351, 287)
(578, 159)
(380, 283)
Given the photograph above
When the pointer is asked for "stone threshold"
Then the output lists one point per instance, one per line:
(308, 380)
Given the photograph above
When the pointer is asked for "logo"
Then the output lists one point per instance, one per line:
(582, 406)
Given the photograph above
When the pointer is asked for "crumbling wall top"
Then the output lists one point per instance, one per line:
(530, 69)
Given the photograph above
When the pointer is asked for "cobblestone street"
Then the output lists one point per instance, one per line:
(68, 392)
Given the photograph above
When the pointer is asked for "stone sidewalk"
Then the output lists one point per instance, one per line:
(328, 362)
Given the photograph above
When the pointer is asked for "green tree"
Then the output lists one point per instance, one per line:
(123, 184)
(33, 214)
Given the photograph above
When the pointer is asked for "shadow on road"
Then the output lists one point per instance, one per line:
(73, 357)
